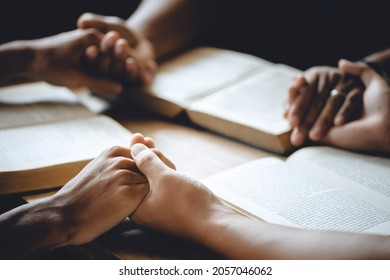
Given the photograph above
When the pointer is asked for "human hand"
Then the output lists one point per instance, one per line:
(175, 203)
(319, 99)
(129, 58)
(102, 195)
(58, 60)
(138, 138)
(371, 132)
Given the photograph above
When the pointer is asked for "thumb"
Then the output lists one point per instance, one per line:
(147, 161)
(354, 68)
(89, 20)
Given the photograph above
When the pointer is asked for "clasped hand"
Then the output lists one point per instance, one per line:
(357, 117)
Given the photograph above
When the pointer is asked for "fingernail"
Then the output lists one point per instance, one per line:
(315, 133)
(137, 148)
(296, 137)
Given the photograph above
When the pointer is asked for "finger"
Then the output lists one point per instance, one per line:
(346, 84)
(317, 105)
(292, 94)
(299, 81)
(107, 51)
(121, 50)
(135, 188)
(147, 162)
(354, 68)
(90, 20)
(90, 59)
(298, 136)
(349, 136)
(293, 91)
(149, 142)
(91, 53)
(351, 108)
(300, 106)
(164, 159)
(145, 75)
(325, 120)
(137, 138)
(132, 71)
(134, 177)
(124, 162)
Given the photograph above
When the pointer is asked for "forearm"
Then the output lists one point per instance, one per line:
(30, 229)
(238, 237)
(171, 25)
(16, 60)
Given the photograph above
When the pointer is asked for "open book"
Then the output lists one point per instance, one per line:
(315, 188)
(235, 94)
(47, 136)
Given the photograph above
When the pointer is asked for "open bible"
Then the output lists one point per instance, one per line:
(318, 188)
(47, 136)
(231, 93)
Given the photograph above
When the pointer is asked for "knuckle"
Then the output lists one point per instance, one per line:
(116, 150)
(122, 162)
(91, 35)
(121, 173)
(114, 20)
(146, 159)
(123, 177)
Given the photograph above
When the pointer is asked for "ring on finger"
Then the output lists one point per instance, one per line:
(336, 92)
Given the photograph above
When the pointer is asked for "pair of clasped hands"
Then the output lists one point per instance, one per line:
(103, 54)
(347, 107)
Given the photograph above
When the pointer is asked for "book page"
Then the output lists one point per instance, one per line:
(48, 144)
(277, 193)
(32, 114)
(35, 103)
(257, 101)
(36, 93)
(200, 72)
(365, 176)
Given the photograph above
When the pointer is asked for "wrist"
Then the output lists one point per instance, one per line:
(213, 218)
(17, 59)
(30, 229)
(51, 221)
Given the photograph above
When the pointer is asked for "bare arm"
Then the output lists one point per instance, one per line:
(382, 57)
(179, 205)
(239, 237)
(86, 207)
(58, 60)
(31, 229)
(16, 60)
(171, 25)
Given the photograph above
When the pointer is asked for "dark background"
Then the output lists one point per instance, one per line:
(29, 19)
(299, 33)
